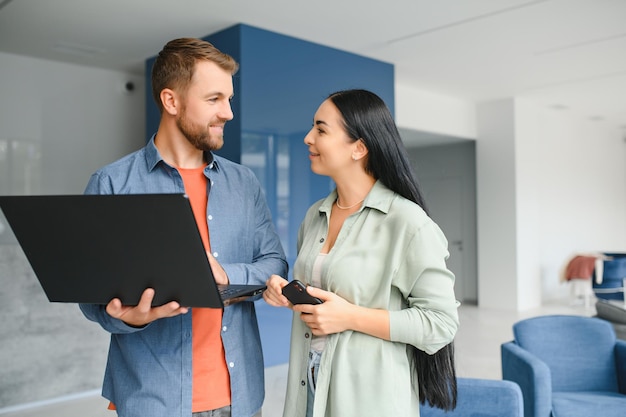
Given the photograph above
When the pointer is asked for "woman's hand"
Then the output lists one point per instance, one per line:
(333, 316)
(337, 314)
(273, 295)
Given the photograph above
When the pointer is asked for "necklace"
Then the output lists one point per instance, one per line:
(348, 207)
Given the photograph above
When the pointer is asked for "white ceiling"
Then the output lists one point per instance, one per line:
(568, 54)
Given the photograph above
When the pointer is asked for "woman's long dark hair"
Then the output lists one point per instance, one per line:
(367, 117)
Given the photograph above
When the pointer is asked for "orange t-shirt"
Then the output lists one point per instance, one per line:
(211, 380)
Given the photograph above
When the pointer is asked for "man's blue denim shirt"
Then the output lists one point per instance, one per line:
(148, 372)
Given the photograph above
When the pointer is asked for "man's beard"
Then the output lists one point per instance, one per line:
(197, 135)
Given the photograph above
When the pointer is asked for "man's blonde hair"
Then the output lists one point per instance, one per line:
(175, 64)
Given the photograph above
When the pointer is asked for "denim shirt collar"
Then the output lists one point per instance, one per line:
(153, 157)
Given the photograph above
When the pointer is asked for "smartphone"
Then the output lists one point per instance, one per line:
(296, 293)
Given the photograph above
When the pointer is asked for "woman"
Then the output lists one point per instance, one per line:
(373, 256)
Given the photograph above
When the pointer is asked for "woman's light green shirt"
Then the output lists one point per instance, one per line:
(389, 255)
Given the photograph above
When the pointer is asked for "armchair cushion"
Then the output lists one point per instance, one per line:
(482, 398)
(586, 404)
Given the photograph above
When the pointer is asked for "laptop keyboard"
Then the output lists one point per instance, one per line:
(226, 292)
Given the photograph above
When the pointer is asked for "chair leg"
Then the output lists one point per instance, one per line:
(581, 288)
(588, 293)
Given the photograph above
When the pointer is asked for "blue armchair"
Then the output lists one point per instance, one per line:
(482, 398)
(567, 366)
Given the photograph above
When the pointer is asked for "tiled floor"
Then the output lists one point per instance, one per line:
(477, 348)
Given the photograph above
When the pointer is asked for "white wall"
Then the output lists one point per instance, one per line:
(527, 206)
(63, 121)
(424, 111)
(549, 185)
(580, 180)
(496, 206)
(58, 124)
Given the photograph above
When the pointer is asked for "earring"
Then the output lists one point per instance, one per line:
(353, 158)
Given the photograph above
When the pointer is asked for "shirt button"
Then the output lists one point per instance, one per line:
(302, 383)
(224, 328)
(212, 182)
(232, 364)
(322, 240)
(306, 335)
(211, 165)
(215, 254)
(210, 217)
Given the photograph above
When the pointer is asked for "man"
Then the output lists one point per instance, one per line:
(172, 360)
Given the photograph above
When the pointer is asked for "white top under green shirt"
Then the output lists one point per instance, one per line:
(388, 255)
(318, 342)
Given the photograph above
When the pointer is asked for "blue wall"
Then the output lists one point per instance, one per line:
(280, 83)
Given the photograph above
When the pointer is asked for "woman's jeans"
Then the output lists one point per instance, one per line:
(313, 370)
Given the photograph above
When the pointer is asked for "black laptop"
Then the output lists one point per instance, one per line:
(93, 248)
